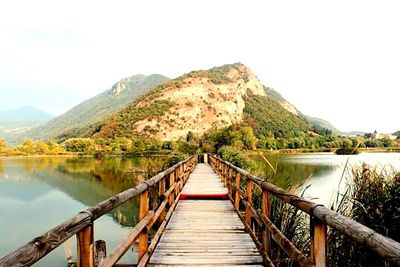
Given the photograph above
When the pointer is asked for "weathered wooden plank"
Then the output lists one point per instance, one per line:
(206, 232)
(125, 244)
(233, 260)
(200, 265)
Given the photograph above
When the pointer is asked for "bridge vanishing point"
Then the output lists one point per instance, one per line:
(202, 215)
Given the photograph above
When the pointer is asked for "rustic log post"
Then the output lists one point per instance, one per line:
(266, 210)
(230, 181)
(224, 176)
(161, 195)
(85, 254)
(318, 242)
(177, 181)
(249, 194)
(143, 236)
(172, 195)
(181, 176)
(100, 251)
(237, 188)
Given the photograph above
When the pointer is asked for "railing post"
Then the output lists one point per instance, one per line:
(237, 188)
(181, 176)
(171, 183)
(249, 194)
(266, 210)
(85, 253)
(143, 236)
(230, 181)
(162, 197)
(318, 242)
(224, 176)
(177, 180)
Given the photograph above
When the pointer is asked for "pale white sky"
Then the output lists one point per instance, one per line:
(338, 60)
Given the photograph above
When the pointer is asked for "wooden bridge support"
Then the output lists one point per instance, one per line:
(318, 242)
(85, 242)
(143, 236)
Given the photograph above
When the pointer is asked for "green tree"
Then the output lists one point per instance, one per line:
(248, 138)
(79, 145)
(387, 142)
(189, 136)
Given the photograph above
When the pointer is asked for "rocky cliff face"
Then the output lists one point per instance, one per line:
(196, 102)
(199, 104)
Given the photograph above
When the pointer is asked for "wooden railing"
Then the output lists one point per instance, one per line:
(167, 184)
(259, 225)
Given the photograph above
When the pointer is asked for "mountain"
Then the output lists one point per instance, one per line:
(283, 102)
(20, 120)
(97, 108)
(201, 100)
(320, 123)
(25, 113)
(316, 123)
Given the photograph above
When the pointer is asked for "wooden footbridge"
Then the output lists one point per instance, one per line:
(202, 215)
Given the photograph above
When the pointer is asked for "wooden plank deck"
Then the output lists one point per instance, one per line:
(205, 232)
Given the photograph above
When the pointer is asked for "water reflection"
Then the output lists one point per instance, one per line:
(320, 173)
(38, 193)
(289, 173)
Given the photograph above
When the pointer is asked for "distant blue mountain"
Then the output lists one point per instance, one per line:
(23, 114)
(14, 122)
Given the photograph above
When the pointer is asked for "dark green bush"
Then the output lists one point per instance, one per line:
(234, 156)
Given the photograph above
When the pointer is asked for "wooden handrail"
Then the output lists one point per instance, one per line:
(385, 247)
(82, 223)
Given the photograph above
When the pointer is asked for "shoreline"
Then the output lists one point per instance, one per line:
(168, 152)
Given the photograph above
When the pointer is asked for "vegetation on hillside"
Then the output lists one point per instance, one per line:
(121, 125)
(269, 119)
(81, 119)
(30, 147)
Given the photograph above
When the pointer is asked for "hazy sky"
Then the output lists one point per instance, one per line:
(338, 60)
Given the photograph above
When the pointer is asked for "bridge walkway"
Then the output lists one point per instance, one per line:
(204, 229)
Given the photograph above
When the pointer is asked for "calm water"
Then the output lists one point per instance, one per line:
(39, 193)
(320, 172)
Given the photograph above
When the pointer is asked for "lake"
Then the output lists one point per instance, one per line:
(320, 173)
(38, 193)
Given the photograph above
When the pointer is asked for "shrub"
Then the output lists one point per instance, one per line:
(371, 199)
(174, 159)
(79, 145)
(234, 156)
(185, 147)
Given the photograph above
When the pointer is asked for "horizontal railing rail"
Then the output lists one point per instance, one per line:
(169, 183)
(320, 218)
